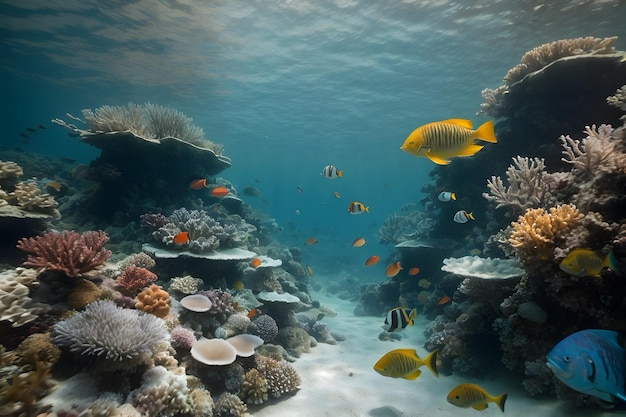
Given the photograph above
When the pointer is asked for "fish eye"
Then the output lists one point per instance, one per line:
(566, 358)
(457, 397)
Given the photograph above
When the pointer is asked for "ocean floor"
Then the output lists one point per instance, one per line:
(339, 380)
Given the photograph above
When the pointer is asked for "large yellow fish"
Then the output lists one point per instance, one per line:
(586, 263)
(440, 141)
(472, 395)
(405, 363)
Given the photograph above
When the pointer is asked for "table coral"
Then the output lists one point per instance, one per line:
(154, 300)
(69, 252)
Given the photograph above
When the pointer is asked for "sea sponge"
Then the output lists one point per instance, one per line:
(281, 377)
(254, 388)
(84, 292)
(535, 233)
(120, 337)
(154, 300)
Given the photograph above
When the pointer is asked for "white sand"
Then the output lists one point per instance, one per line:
(339, 380)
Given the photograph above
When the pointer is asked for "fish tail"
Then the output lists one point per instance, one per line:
(500, 400)
(485, 132)
(610, 261)
(367, 209)
(470, 216)
(431, 362)
(339, 173)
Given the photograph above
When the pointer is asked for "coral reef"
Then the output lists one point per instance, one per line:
(229, 405)
(182, 337)
(120, 338)
(265, 327)
(70, 253)
(154, 300)
(140, 260)
(411, 224)
(83, 292)
(23, 199)
(254, 388)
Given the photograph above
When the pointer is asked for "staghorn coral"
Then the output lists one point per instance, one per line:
(229, 405)
(119, 337)
(69, 252)
(154, 300)
(528, 185)
(162, 393)
(535, 233)
(134, 278)
(253, 388)
(15, 304)
(596, 153)
(281, 377)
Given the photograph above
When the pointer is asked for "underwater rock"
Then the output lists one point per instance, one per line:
(533, 312)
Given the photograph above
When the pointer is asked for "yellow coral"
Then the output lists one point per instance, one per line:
(535, 232)
(154, 300)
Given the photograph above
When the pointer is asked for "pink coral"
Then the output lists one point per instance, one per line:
(69, 252)
(182, 337)
(134, 278)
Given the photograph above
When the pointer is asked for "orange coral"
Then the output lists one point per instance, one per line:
(154, 300)
(535, 232)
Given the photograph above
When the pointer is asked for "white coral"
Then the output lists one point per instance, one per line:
(593, 154)
(15, 304)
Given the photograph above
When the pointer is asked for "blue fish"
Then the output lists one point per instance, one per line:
(592, 362)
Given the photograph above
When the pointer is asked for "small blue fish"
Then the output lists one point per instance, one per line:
(446, 196)
(592, 362)
(398, 319)
(463, 216)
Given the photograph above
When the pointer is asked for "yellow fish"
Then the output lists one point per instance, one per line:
(472, 395)
(440, 141)
(586, 263)
(405, 363)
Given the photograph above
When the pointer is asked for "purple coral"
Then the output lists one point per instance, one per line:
(69, 252)
(153, 220)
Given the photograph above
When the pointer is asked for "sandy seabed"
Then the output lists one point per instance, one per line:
(339, 381)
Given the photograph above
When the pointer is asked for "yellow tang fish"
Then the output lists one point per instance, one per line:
(440, 141)
(472, 395)
(586, 263)
(405, 363)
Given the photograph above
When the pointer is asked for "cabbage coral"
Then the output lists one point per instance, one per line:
(534, 234)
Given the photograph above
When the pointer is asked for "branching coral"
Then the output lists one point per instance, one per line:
(619, 99)
(134, 278)
(595, 153)
(535, 233)
(229, 405)
(69, 252)
(121, 337)
(254, 388)
(23, 199)
(528, 185)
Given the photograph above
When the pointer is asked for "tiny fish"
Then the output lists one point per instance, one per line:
(586, 263)
(372, 260)
(414, 271)
(398, 319)
(24, 135)
(310, 241)
(405, 363)
(472, 395)
(331, 172)
(441, 141)
(443, 300)
(181, 238)
(357, 208)
(358, 242)
(309, 271)
(198, 184)
(238, 286)
(300, 189)
(255, 262)
(446, 196)
(30, 129)
(393, 269)
(253, 312)
(219, 191)
(463, 216)
(337, 195)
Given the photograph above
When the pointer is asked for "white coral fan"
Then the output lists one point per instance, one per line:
(162, 393)
(122, 337)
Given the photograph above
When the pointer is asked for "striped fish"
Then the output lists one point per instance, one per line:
(441, 141)
(405, 363)
(331, 171)
(398, 318)
(357, 208)
(472, 395)
(585, 262)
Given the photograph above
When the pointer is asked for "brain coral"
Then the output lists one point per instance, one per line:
(121, 337)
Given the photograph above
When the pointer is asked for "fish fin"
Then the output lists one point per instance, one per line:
(413, 375)
(431, 362)
(459, 122)
(367, 209)
(470, 216)
(480, 406)
(485, 132)
(469, 150)
(610, 261)
(413, 314)
(436, 159)
(339, 173)
(500, 400)
(453, 196)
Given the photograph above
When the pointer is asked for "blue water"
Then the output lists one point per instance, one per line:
(287, 86)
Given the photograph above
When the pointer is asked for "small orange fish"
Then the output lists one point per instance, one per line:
(255, 263)
(414, 271)
(393, 269)
(443, 300)
(309, 271)
(358, 242)
(182, 237)
(253, 312)
(219, 191)
(310, 241)
(372, 260)
(198, 184)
